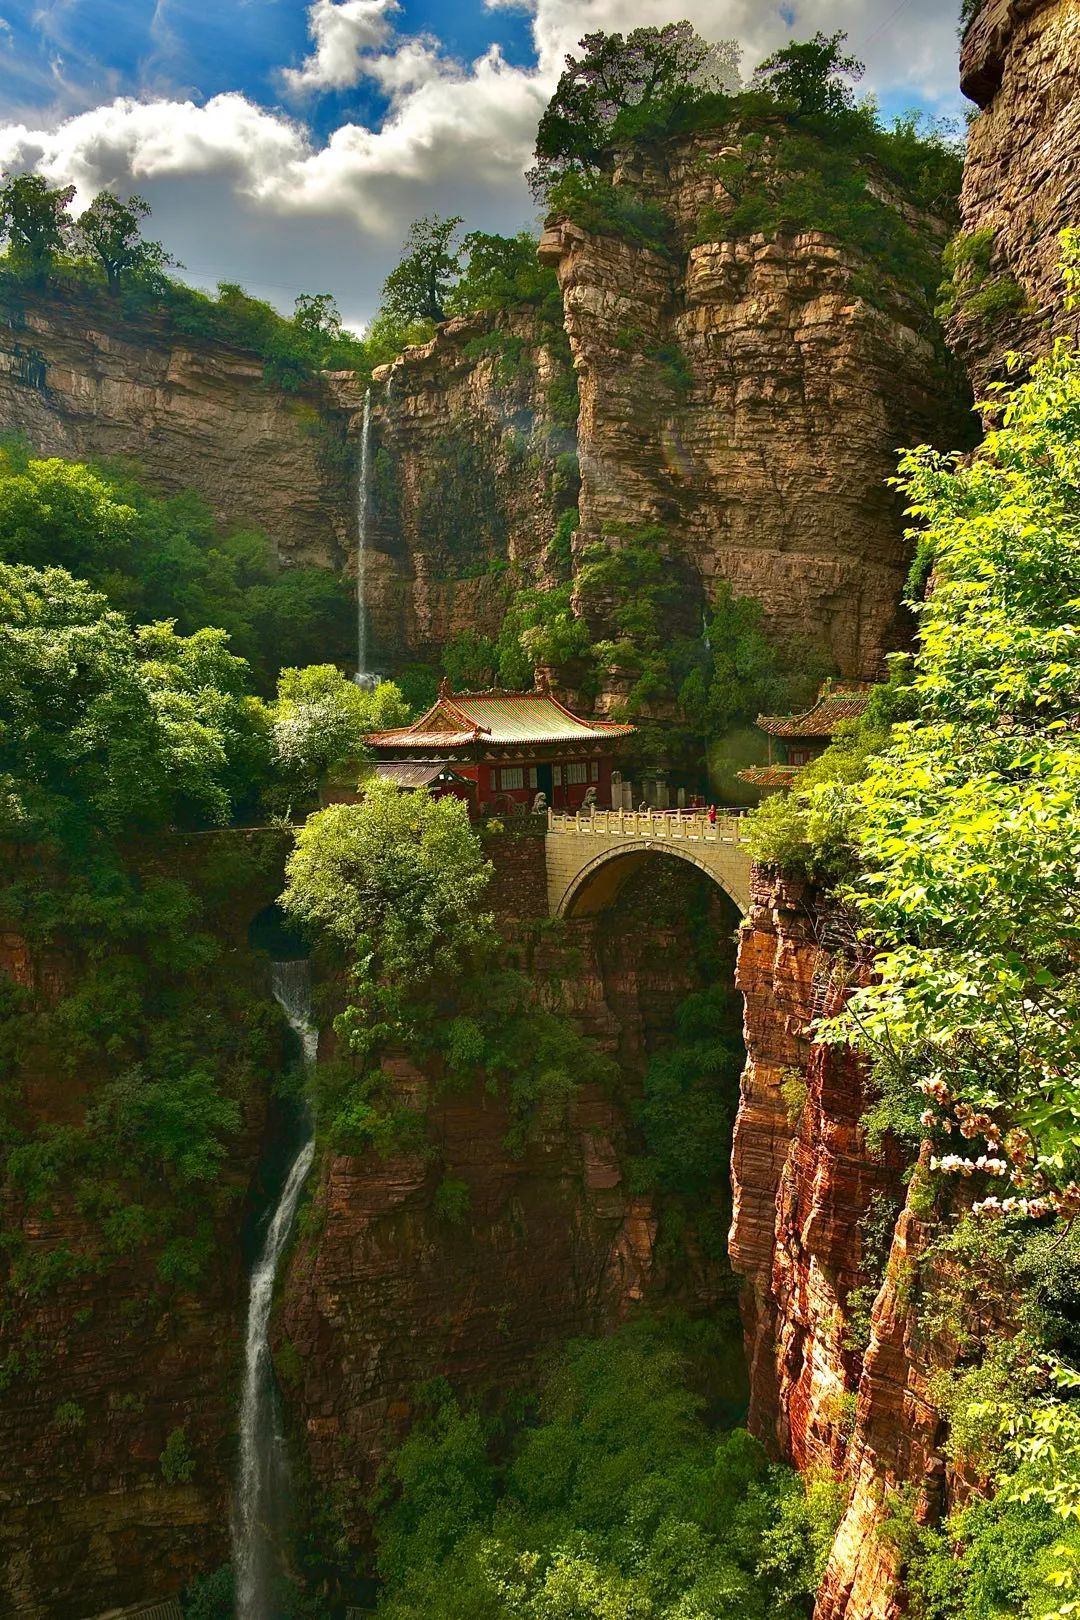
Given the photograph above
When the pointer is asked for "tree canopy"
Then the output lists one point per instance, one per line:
(617, 1502)
(419, 287)
(615, 85)
(35, 222)
(111, 231)
(813, 77)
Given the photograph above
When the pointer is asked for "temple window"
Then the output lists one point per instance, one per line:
(512, 776)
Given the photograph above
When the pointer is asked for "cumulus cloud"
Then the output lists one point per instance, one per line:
(245, 192)
(342, 31)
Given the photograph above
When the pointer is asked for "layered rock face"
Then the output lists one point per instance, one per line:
(100, 1364)
(466, 481)
(384, 1291)
(79, 380)
(1020, 63)
(750, 398)
(843, 1336)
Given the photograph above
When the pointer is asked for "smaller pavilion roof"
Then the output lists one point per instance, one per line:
(769, 776)
(418, 773)
(837, 701)
(465, 719)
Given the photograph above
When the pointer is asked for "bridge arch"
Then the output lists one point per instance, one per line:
(596, 879)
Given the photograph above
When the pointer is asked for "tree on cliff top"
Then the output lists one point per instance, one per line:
(110, 232)
(418, 289)
(808, 76)
(35, 222)
(619, 82)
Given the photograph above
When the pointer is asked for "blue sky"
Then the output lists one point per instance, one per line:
(287, 144)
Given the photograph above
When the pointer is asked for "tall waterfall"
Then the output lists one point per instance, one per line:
(263, 1476)
(363, 676)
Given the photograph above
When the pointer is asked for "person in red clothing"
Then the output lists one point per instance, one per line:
(712, 815)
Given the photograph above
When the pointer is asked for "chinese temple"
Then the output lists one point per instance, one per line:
(796, 739)
(508, 746)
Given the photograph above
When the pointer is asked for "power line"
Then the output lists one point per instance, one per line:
(880, 29)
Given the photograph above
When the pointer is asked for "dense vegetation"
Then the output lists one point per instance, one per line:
(803, 154)
(395, 886)
(954, 832)
(168, 558)
(617, 1500)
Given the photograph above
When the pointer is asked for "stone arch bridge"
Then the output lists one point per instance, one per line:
(590, 856)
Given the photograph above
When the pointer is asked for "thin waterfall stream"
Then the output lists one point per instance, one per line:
(262, 1484)
(363, 676)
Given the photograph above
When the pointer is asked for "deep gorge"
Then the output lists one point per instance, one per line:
(716, 415)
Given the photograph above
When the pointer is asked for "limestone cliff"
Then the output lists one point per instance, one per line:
(750, 396)
(1019, 63)
(846, 1299)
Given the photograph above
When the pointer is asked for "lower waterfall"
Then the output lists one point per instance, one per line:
(263, 1473)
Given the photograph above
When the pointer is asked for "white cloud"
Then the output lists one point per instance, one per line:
(343, 30)
(243, 192)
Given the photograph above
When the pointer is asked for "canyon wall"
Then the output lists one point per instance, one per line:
(842, 1339)
(101, 1360)
(766, 457)
(1020, 63)
(81, 379)
(387, 1288)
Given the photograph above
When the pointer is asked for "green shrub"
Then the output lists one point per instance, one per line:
(177, 1461)
(69, 1417)
(618, 1500)
(452, 1201)
(607, 210)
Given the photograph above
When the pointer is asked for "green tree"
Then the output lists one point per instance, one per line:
(812, 77)
(615, 85)
(35, 222)
(967, 822)
(111, 231)
(138, 729)
(397, 880)
(616, 1503)
(503, 272)
(419, 287)
(320, 719)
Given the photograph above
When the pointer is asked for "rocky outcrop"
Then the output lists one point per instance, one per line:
(749, 396)
(1019, 63)
(842, 1307)
(80, 379)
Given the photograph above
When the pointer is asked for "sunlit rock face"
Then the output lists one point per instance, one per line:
(80, 379)
(750, 397)
(1019, 63)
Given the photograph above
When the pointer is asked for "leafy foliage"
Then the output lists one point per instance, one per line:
(396, 880)
(35, 223)
(418, 288)
(687, 1109)
(812, 77)
(615, 88)
(167, 558)
(966, 820)
(320, 720)
(110, 230)
(619, 1502)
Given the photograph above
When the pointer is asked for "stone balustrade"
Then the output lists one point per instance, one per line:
(578, 845)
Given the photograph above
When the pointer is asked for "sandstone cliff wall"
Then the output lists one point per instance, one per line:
(98, 1366)
(383, 1293)
(1020, 64)
(843, 1336)
(79, 379)
(765, 450)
